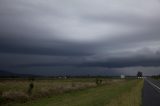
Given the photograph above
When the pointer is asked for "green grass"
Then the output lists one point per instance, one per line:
(130, 98)
(99, 96)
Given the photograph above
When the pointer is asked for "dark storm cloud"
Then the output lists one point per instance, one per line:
(125, 62)
(47, 65)
(79, 34)
(111, 63)
(143, 60)
(55, 51)
(42, 47)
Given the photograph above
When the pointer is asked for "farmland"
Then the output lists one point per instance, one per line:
(71, 92)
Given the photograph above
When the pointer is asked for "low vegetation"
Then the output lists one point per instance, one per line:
(23, 90)
(112, 93)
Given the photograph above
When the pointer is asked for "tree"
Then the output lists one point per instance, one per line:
(139, 74)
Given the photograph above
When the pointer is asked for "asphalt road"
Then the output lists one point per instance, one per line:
(151, 92)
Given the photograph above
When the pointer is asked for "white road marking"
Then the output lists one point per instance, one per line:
(153, 85)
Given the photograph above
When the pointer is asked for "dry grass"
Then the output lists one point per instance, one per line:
(16, 90)
(15, 95)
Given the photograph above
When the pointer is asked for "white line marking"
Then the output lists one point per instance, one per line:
(153, 85)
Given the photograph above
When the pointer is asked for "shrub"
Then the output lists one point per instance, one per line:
(30, 89)
(98, 81)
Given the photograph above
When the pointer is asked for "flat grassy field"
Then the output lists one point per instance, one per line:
(112, 92)
(18, 90)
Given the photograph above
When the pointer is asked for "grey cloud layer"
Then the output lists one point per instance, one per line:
(104, 33)
(126, 62)
(53, 48)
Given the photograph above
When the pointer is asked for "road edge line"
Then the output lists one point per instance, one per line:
(153, 85)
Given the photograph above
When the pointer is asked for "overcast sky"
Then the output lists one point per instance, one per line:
(80, 37)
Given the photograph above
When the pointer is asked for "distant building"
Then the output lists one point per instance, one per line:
(122, 76)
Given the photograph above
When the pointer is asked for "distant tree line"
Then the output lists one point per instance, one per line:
(156, 76)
